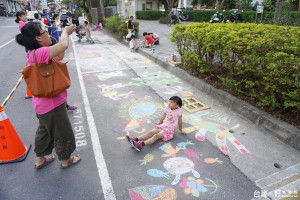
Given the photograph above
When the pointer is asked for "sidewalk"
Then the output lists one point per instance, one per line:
(249, 149)
(267, 123)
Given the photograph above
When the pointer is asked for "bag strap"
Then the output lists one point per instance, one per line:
(34, 57)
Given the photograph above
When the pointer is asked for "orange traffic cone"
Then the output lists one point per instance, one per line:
(28, 93)
(11, 147)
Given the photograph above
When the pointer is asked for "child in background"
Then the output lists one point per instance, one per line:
(164, 129)
(88, 33)
(54, 32)
(21, 19)
(130, 24)
(128, 36)
(133, 44)
(148, 42)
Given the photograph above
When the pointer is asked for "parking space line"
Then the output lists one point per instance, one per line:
(7, 43)
(101, 164)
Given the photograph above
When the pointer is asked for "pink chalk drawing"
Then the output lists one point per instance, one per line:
(111, 91)
(152, 192)
(170, 151)
(222, 132)
(196, 186)
(178, 89)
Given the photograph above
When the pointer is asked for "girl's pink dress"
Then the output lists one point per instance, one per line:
(170, 123)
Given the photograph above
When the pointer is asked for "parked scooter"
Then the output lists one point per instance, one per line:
(235, 17)
(215, 18)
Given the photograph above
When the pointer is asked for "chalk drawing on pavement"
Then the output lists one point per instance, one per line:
(196, 186)
(152, 192)
(156, 78)
(112, 92)
(169, 150)
(213, 160)
(138, 113)
(175, 166)
(105, 76)
(222, 132)
(148, 158)
(192, 104)
(178, 89)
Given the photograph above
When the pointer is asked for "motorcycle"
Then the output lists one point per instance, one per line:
(215, 18)
(182, 16)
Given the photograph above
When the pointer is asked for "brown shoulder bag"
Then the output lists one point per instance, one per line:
(47, 80)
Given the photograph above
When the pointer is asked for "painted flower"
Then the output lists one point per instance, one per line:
(193, 186)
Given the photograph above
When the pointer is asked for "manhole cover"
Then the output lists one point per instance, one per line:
(191, 104)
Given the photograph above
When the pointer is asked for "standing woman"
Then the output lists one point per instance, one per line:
(58, 24)
(21, 19)
(55, 130)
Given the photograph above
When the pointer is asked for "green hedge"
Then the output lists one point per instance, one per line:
(117, 25)
(287, 18)
(261, 62)
(150, 14)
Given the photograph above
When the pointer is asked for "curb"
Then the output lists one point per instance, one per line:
(268, 124)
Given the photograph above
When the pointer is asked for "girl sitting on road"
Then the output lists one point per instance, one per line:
(164, 129)
(21, 19)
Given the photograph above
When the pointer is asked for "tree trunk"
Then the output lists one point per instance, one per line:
(278, 9)
(222, 4)
(217, 5)
(170, 5)
(166, 6)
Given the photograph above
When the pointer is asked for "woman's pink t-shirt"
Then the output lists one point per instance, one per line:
(21, 24)
(171, 119)
(43, 105)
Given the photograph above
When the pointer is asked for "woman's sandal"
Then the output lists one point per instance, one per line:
(46, 162)
(71, 161)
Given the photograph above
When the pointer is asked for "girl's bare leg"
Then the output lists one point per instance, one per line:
(154, 138)
(148, 135)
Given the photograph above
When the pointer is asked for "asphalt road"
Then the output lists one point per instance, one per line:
(119, 92)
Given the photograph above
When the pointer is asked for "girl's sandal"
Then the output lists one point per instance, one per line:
(71, 161)
(46, 162)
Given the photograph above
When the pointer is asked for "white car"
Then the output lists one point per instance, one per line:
(30, 15)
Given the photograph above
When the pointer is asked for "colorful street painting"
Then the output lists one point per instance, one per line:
(153, 192)
(194, 186)
(222, 132)
(158, 78)
(112, 92)
(178, 90)
(139, 112)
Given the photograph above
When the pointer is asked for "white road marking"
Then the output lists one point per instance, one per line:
(101, 165)
(9, 26)
(7, 43)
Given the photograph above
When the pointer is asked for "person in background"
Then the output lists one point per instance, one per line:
(148, 42)
(129, 24)
(47, 16)
(156, 38)
(58, 24)
(21, 19)
(133, 44)
(38, 18)
(88, 33)
(55, 130)
(128, 36)
(54, 30)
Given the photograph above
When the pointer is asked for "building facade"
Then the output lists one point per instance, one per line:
(127, 8)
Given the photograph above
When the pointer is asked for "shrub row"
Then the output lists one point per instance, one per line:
(288, 18)
(117, 25)
(261, 62)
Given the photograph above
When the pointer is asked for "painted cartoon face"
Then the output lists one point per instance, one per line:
(178, 165)
(141, 110)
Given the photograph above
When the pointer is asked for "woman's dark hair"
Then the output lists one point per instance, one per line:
(133, 30)
(36, 15)
(177, 100)
(132, 36)
(27, 36)
(86, 22)
(54, 16)
(145, 33)
(19, 14)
